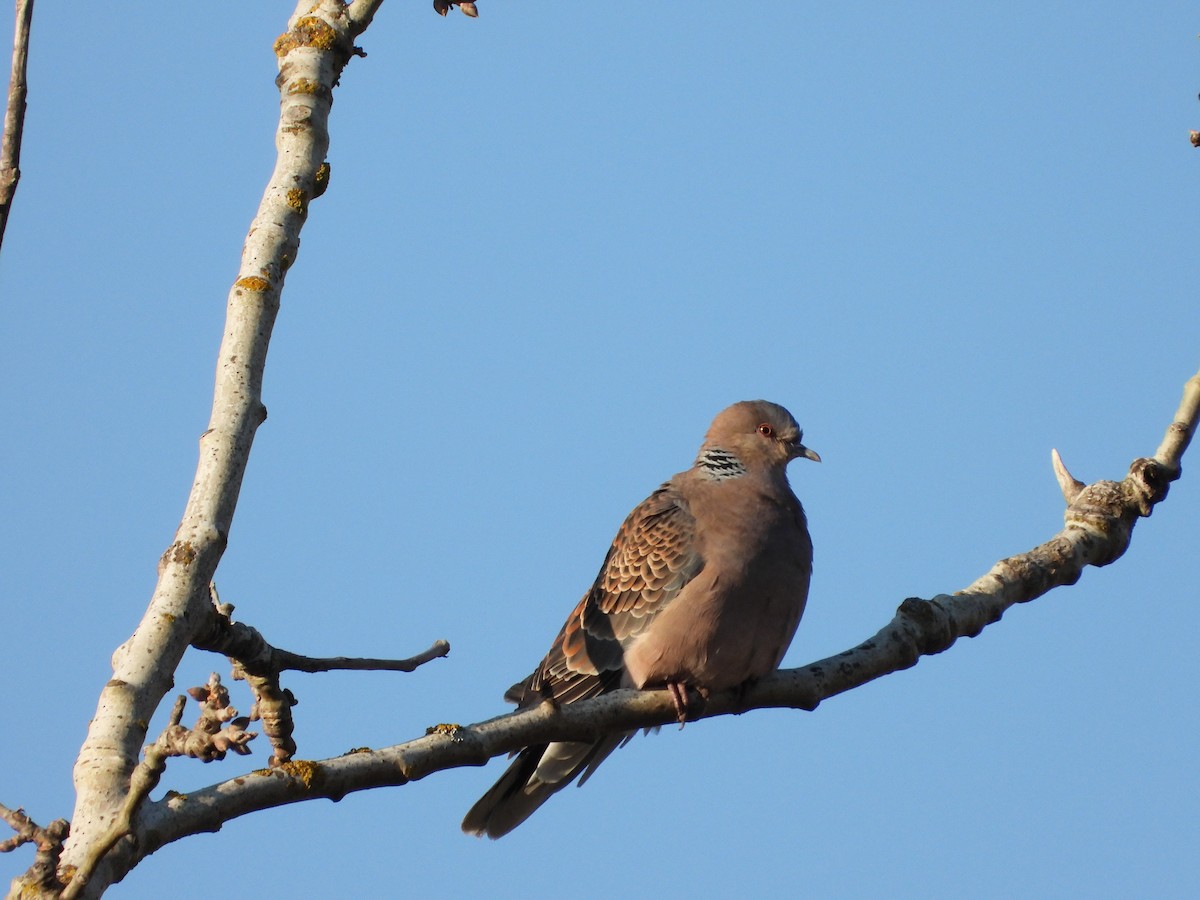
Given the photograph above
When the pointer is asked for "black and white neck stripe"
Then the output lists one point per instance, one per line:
(716, 464)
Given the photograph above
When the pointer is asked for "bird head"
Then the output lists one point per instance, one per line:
(759, 433)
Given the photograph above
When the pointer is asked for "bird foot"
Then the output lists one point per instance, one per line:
(679, 696)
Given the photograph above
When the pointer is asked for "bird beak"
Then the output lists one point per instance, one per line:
(799, 450)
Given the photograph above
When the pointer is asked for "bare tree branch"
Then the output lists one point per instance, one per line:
(49, 842)
(1099, 524)
(273, 707)
(1179, 434)
(362, 13)
(259, 664)
(311, 55)
(1071, 487)
(14, 114)
(208, 741)
(115, 823)
(145, 778)
(250, 651)
(294, 661)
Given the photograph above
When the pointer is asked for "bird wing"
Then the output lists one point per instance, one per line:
(652, 557)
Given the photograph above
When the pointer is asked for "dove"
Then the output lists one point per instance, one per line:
(702, 589)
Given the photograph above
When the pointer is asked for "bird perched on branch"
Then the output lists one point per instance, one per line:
(702, 589)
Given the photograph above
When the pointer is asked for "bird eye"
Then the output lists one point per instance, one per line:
(766, 430)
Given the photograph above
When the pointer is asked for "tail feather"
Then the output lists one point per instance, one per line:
(534, 777)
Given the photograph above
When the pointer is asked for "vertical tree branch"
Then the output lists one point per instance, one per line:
(311, 55)
(14, 114)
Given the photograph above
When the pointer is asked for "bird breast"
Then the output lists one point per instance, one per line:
(735, 619)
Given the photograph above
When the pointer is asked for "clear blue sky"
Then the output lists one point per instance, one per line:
(557, 240)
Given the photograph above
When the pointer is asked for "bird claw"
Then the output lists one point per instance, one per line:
(680, 698)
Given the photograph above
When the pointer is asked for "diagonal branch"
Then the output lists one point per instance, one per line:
(209, 740)
(1180, 433)
(145, 779)
(1099, 524)
(14, 114)
(311, 55)
(362, 13)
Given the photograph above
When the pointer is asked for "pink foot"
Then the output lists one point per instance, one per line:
(680, 698)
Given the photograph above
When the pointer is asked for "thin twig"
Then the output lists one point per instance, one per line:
(1179, 433)
(298, 663)
(249, 650)
(259, 664)
(49, 842)
(1071, 486)
(27, 831)
(14, 115)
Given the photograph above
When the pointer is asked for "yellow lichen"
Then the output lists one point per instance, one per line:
(253, 283)
(449, 729)
(308, 772)
(297, 199)
(321, 181)
(307, 32)
(304, 86)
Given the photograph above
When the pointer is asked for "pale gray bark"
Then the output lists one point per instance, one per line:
(311, 54)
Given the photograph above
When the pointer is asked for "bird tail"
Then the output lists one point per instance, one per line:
(534, 777)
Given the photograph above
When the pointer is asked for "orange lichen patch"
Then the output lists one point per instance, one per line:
(297, 199)
(253, 283)
(304, 86)
(309, 773)
(181, 552)
(307, 32)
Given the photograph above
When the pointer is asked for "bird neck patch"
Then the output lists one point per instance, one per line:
(716, 464)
